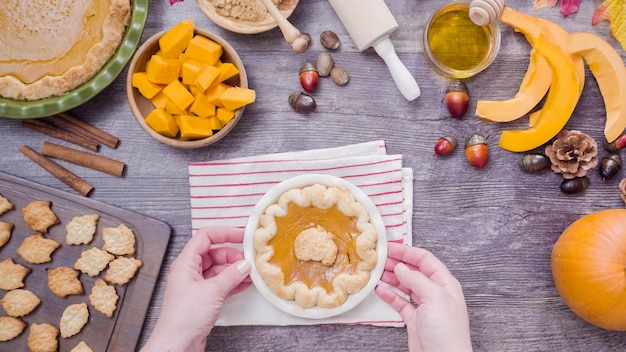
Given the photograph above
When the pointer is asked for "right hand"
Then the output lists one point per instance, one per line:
(436, 316)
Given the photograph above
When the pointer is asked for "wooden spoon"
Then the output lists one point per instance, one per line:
(292, 35)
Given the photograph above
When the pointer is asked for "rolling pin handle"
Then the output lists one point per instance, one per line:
(401, 75)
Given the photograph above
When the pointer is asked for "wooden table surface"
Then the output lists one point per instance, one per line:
(494, 228)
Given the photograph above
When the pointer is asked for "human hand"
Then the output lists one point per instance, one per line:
(436, 317)
(199, 281)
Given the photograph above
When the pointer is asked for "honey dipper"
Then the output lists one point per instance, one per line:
(483, 12)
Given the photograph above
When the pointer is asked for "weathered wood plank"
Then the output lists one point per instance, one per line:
(494, 227)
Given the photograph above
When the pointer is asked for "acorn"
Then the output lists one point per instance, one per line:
(610, 165)
(575, 185)
(457, 98)
(531, 163)
(477, 151)
(617, 144)
(308, 76)
(302, 102)
(445, 145)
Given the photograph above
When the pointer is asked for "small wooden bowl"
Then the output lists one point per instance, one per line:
(232, 24)
(141, 107)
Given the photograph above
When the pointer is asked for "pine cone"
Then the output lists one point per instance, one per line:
(622, 189)
(572, 153)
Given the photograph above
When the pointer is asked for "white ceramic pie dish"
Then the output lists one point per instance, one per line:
(291, 307)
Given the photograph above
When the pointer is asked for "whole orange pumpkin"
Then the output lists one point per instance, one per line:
(589, 268)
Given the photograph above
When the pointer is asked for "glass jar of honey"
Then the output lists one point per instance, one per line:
(456, 47)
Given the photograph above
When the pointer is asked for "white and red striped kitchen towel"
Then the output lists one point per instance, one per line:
(224, 192)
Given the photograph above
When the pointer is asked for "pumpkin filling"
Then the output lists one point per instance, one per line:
(292, 226)
(316, 246)
(50, 47)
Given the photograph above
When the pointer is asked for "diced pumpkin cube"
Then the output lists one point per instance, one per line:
(194, 89)
(235, 97)
(147, 88)
(201, 106)
(175, 40)
(159, 100)
(162, 122)
(207, 76)
(194, 127)
(224, 115)
(182, 58)
(162, 70)
(204, 50)
(172, 108)
(215, 123)
(190, 70)
(214, 92)
(178, 94)
(227, 70)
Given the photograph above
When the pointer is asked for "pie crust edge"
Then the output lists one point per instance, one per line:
(321, 196)
(114, 27)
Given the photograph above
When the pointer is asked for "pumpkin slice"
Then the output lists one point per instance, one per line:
(561, 37)
(607, 67)
(559, 106)
(536, 81)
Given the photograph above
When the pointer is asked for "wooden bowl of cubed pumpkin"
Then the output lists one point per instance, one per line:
(187, 87)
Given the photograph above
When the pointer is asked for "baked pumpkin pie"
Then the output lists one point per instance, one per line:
(315, 245)
(48, 48)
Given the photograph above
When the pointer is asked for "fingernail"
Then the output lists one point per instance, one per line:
(401, 267)
(244, 267)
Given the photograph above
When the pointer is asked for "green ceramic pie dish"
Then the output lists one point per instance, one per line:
(49, 106)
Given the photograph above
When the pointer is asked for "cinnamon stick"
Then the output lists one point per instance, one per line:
(90, 160)
(59, 133)
(77, 125)
(58, 171)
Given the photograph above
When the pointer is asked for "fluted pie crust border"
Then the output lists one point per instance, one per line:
(320, 196)
(114, 27)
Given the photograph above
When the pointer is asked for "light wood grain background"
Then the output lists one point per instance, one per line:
(494, 227)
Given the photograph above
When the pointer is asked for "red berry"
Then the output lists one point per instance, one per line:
(445, 145)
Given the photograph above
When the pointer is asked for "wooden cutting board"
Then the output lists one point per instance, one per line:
(121, 331)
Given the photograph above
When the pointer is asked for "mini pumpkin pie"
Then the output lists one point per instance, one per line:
(50, 47)
(315, 245)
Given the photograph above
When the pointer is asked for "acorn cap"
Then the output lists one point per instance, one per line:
(475, 139)
(451, 140)
(614, 157)
(307, 66)
(457, 86)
